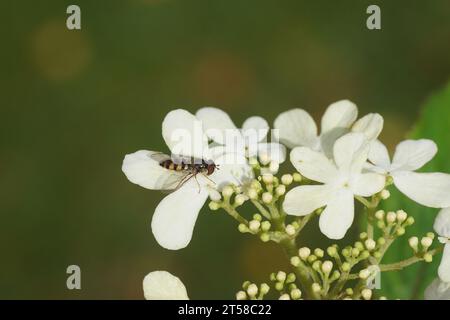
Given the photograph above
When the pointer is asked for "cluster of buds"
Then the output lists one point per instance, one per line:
(392, 223)
(422, 247)
(250, 291)
(285, 285)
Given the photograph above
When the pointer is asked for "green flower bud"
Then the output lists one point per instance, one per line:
(265, 226)
(265, 237)
(319, 252)
(214, 205)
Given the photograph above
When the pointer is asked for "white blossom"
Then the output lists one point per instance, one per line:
(249, 140)
(428, 189)
(438, 290)
(442, 228)
(297, 128)
(342, 180)
(175, 216)
(161, 285)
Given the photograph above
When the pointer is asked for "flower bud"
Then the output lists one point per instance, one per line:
(349, 291)
(379, 214)
(240, 199)
(284, 296)
(346, 267)
(286, 179)
(370, 244)
(332, 251)
(336, 275)
(400, 231)
(254, 225)
(264, 288)
(366, 294)
(274, 166)
(391, 217)
(365, 254)
(264, 159)
(401, 215)
(280, 190)
(319, 252)
(355, 252)
(279, 286)
(281, 276)
(359, 246)
(312, 258)
(241, 295)
(316, 287)
(385, 194)
(265, 237)
(363, 235)
(410, 221)
(381, 241)
(265, 225)
(243, 228)
(290, 230)
(227, 191)
(316, 265)
(214, 195)
(428, 257)
(267, 178)
(304, 253)
(252, 193)
(290, 278)
(214, 205)
(296, 294)
(426, 242)
(267, 197)
(295, 261)
(413, 243)
(297, 177)
(430, 235)
(327, 266)
(252, 290)
(364, 274)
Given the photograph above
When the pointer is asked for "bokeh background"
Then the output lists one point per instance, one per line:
(73, 103)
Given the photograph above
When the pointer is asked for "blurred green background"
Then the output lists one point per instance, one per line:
(73, 103)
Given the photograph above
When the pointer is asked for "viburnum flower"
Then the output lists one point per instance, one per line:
(162, 285)
(250, 140)
(175, 216)
(297, 128)
(428, 189)
(342, 180)
(442, 228)
(438, 290)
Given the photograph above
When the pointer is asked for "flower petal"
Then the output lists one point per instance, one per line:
(219, 127)
(328, 139)
(350, 153)
(371, 125)
(313, 165)
(175, 216)
(411, 155)
(438, 290)
(161, 285)
(337, 217)
(144, 170)
(379, 155)
(255, 129)
(296, 128)
(442, 223)
(444, 267)
(340, 114)
(428, 189)
(183, 134)
(273, 151)
(303, 200)
(367, 184)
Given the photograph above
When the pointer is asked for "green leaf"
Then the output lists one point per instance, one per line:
(410, 283)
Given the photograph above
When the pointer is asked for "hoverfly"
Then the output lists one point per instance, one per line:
(185, 168)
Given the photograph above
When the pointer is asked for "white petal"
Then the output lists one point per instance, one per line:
(161, 285)
(143, 170)
(371, 125)
(367, 184)
(350, 153)
(303, 200)
(328, 139)
(444, 267)
(183, 134)
(379, 155)
(313, 165)
(438, 290)
(411, 155)
(340, 114)
(296, 128)
(428, 189)
(442, 223)
(231, 168)
(337, 217)
(175, 216)
(273, 151)
(219, 127)
(255, 128)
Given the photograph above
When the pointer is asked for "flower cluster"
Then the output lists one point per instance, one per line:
(345, 163)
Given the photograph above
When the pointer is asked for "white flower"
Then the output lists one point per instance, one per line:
(442, 228)
(438, 290)
(297, 128)
(342, 180)
(428, 189)
(248, 140)
(161, 285)
(175, 216)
